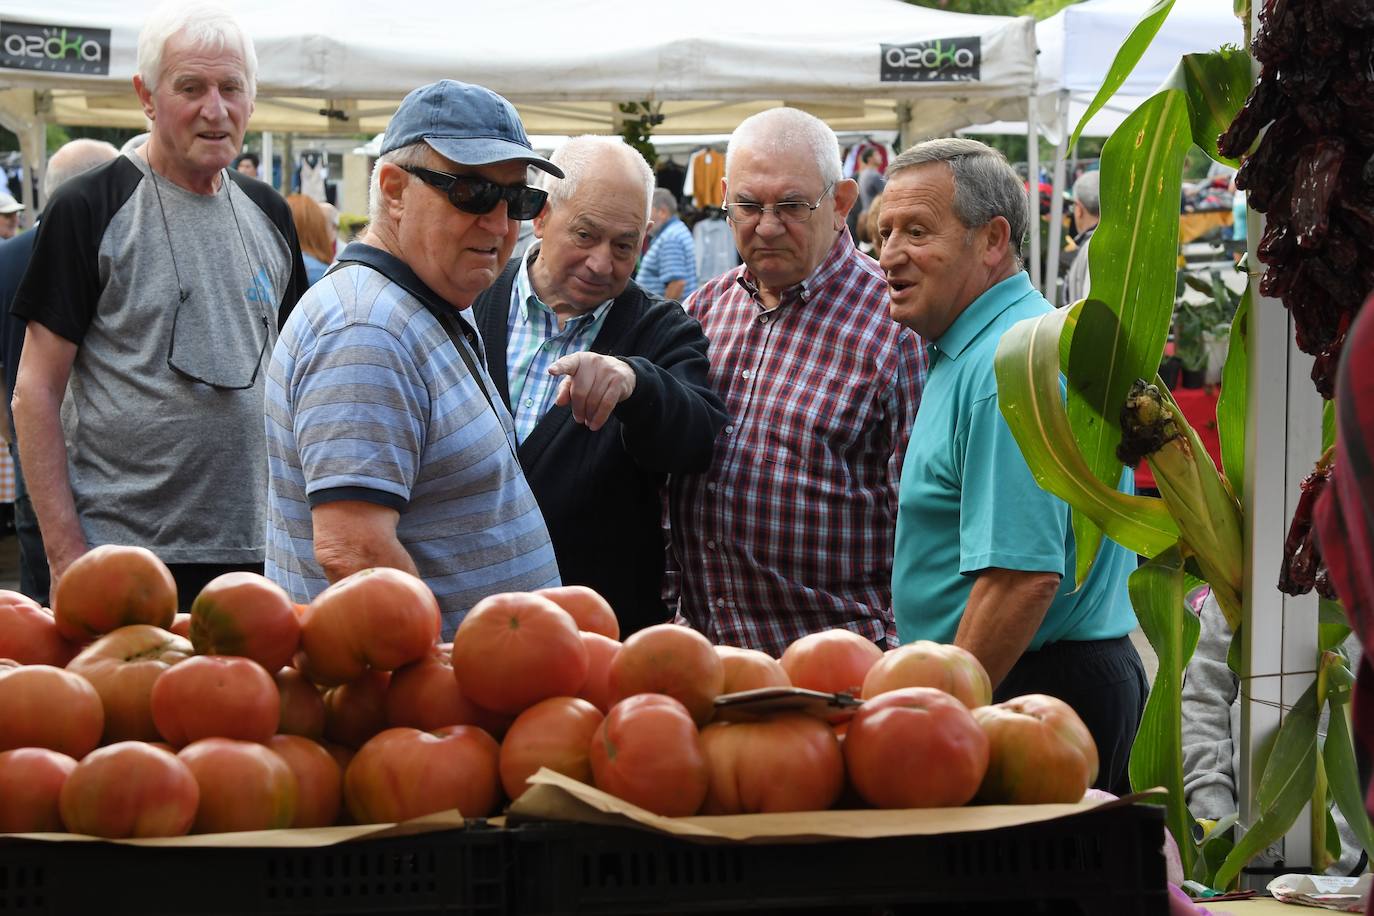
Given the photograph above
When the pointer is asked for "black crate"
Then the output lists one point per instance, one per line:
(1101, 862)
(460, 872)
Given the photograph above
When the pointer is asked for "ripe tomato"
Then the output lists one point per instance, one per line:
(553, 733)
(916, 747)
(243, 613)
(750, 669)
(319, 779)
(243, 786)
(43, 706)
(673, 660)
(427, 695)
(648, 752)
(1041, 752)
(930, 664)
(591, 612)
(786, 762)
(31, 780)
(28, 633)
(376, 618)
(601, 651)
(405, 773)
(215, 696)
(831, 661)
(356, 711)
(110, 586)
(302, 706)
(129, 790)
(513, 650)
(122, 667)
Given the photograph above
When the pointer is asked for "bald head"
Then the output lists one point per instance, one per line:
(71, 159)
(597, 159)
(777, 131)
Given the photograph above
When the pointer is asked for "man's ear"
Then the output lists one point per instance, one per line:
(997, 237)
(393, 181)
(541, 220)
(145, 96)
(846, 193)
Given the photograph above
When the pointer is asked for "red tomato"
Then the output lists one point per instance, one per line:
(553, 733)
(215, 696)
(109, 587)
(648, 752)
(786, 762)
(513, 650)
(356, 711)
(243, 786)
(302, 706)
(916, 747)
(130, 790)
(122, 667)
(405, 773)
(319, 779)
(181, 625)
(243, 613)
(376, 618)
(750, 669)
(426, 695)
(673, 660)
(930, 664)
(601, 651)
(43, 706)
(31, 780)
(591, 612)
(28, 633)
(831, 661)
(1041, 752)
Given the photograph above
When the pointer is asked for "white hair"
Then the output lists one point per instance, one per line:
(72, 159)
(204, 25)
(580, 154)
(416, 154)
(779, 130)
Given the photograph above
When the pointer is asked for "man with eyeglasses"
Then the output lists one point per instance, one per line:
(607, 382)
(389, 443)
(157, 285)
(790, 530)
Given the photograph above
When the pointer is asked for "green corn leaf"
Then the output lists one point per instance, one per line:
(1333, 627)
(1216, 84)
(1126, 59)
(1328, 425)
(1338, 752)
(1284, 788)
(1029, 395)
(1156, 591)
(1214, 850)
(1231, 404)
(1131, 266)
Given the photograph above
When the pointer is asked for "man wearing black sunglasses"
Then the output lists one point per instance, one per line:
(607, 383)
(388, 444)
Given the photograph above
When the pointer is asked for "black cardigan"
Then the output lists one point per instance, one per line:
(600, 491)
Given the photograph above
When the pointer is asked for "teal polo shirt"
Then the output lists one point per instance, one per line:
(968, 501)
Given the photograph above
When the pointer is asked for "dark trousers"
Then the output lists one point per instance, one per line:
(192, 577)
(1104, 681)
(33, 561)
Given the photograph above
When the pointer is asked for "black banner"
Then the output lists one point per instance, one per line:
(940, 60)
(72, 49)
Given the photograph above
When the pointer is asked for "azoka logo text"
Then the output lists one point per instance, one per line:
(54, 48)
(944, 60)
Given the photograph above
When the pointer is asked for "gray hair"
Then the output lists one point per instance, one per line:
(778, 130)
(985, 184)
(72, 159)
(578, 155)
(204, 25)
(416, 154)
(1086, 192)
(665, 200)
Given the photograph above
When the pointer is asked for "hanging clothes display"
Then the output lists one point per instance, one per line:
(704, 173)
(715, 247)
(313, 169)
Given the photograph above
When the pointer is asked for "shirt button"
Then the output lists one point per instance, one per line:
(744, 374)
(763, 319)
(529, 402)
(710, 545)
(710, 488)
(720, 602)
(729, 430)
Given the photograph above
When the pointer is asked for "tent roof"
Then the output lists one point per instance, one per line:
(565, 64)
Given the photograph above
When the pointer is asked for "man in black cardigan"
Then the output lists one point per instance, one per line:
(606, 382)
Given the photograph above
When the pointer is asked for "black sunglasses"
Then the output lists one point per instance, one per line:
(477, 195)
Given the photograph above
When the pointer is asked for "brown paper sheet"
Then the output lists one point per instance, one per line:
(553, 796)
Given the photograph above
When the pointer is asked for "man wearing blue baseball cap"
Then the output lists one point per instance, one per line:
(388, 445)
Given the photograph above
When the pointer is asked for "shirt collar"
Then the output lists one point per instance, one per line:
(981, 312)
(834, 261)
(525, 296)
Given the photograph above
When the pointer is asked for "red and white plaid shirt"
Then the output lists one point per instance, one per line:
(791, 530)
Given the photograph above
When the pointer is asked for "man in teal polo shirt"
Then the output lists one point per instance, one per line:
(984, 557)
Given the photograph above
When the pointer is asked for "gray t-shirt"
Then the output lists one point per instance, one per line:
(173, 299)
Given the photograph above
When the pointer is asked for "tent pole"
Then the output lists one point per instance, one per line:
(1057, 200)
(33, 147)
(1033, 183)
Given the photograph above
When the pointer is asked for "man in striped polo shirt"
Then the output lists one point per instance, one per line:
(669, 268)
(387, 443)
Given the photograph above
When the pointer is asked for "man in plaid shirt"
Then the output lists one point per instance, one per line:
(790, 531)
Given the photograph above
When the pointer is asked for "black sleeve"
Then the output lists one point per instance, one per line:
(62, 286)
(671, 420)
(277, 210)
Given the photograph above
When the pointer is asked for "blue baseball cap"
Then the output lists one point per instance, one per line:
(469, 124)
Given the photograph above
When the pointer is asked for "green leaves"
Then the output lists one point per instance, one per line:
(1157, 754)
(1216, 85)
(1235, 379)
(1030, 398)
(1289, 778)
(1126, 59)
(1338, 751)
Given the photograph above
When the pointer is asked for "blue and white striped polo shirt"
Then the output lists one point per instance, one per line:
(368, 398)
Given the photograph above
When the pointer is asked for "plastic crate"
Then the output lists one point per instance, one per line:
(1102, 862)
(463, 872)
